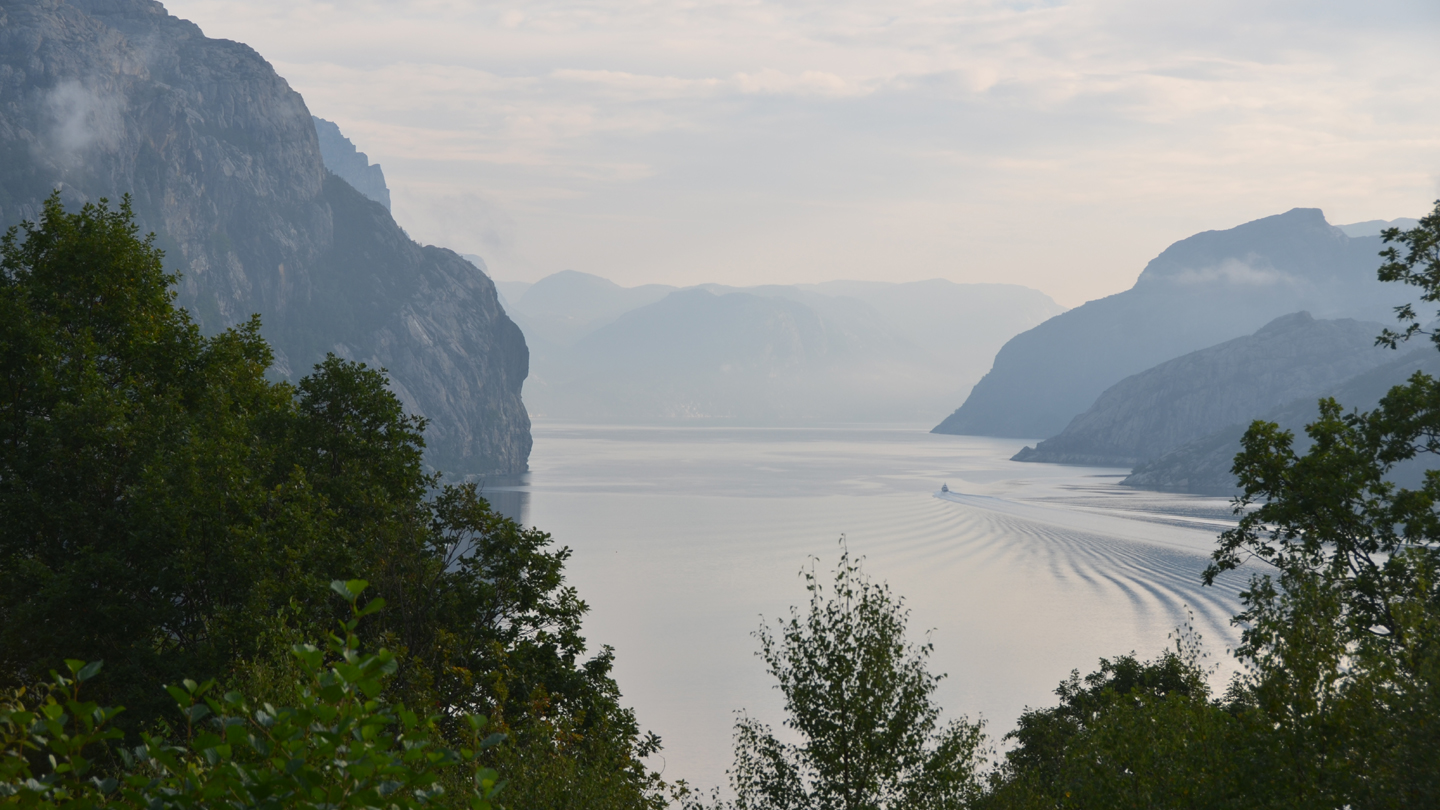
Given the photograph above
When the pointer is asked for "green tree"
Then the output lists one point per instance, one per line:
(171, 511)
(1342, 636)
(126, 532)
(1134, 733)
(338, 745)
(858, 696)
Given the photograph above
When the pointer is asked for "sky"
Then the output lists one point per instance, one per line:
(1059, 145)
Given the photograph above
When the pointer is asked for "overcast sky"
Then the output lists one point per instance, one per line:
(1059, 145)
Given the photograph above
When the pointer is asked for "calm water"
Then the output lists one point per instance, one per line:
(684, 538)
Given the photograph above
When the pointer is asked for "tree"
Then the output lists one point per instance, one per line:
(128, 446)
(171, 511)
(1343, 638)
(1133, 733)
(858, 696)
(336, 746)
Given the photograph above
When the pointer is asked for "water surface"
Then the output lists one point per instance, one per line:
(684, 538)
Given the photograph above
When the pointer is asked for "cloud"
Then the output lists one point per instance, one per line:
(1056, 144)
(1246, 273)
(81, 119)
(466, 223)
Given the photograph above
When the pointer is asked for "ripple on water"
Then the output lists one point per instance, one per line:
(683, 538)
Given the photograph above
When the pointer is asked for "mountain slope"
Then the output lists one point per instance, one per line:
(1203, 466)
(101, 98)
(1203, 290)
(1157, 410)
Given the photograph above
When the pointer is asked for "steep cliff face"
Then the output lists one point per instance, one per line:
(1211, 287)
(100, 98)
(1157, 410)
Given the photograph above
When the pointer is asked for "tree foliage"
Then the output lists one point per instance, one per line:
(858, 697)
(1344, 637)
(171, 510)
(339, 746)
(1340, 641)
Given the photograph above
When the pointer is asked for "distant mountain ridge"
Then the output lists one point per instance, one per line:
(1148, 414)
(101, 98)
(1208, 288)
(350, 164)
(1374, 227)
(563, 307)
(839, 351)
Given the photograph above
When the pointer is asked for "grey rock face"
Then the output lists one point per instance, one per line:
(1211, 287)
(100, 98)
(1150, 413)
(1203, 465)
(350, 164)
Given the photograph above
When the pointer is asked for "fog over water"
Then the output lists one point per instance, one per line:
(684, 537)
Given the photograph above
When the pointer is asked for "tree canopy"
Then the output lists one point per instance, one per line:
(859, 697)
(174, 511)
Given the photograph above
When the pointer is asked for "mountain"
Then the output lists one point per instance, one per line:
(1209, 288)
(1373, 227)
(839, 351)
(1147, 414)
(1203, 466)
(100, 98)
(736, 356)
(560, 308)
(958, 327)
(350, 164)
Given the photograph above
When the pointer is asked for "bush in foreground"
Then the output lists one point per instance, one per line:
(339, 746)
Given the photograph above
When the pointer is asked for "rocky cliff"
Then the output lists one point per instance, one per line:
(1209, 288)
(1157, 410)
(100, 98)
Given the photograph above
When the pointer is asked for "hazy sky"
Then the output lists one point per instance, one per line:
(1059, 145)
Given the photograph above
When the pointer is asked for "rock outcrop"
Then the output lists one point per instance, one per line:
(101, 98)
(1209, 288)
(1150, 413)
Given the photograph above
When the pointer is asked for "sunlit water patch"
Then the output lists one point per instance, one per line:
(684, 537)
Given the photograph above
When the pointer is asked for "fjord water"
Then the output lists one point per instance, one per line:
(684, 537)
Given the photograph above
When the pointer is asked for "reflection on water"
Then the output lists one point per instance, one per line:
(684, 537)
(507, 494)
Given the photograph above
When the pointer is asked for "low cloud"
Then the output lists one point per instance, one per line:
(1247, 273)
(82, 119)
(466, 223)
(1056, 144)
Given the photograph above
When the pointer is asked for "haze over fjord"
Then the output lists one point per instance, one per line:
(1055, 145)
